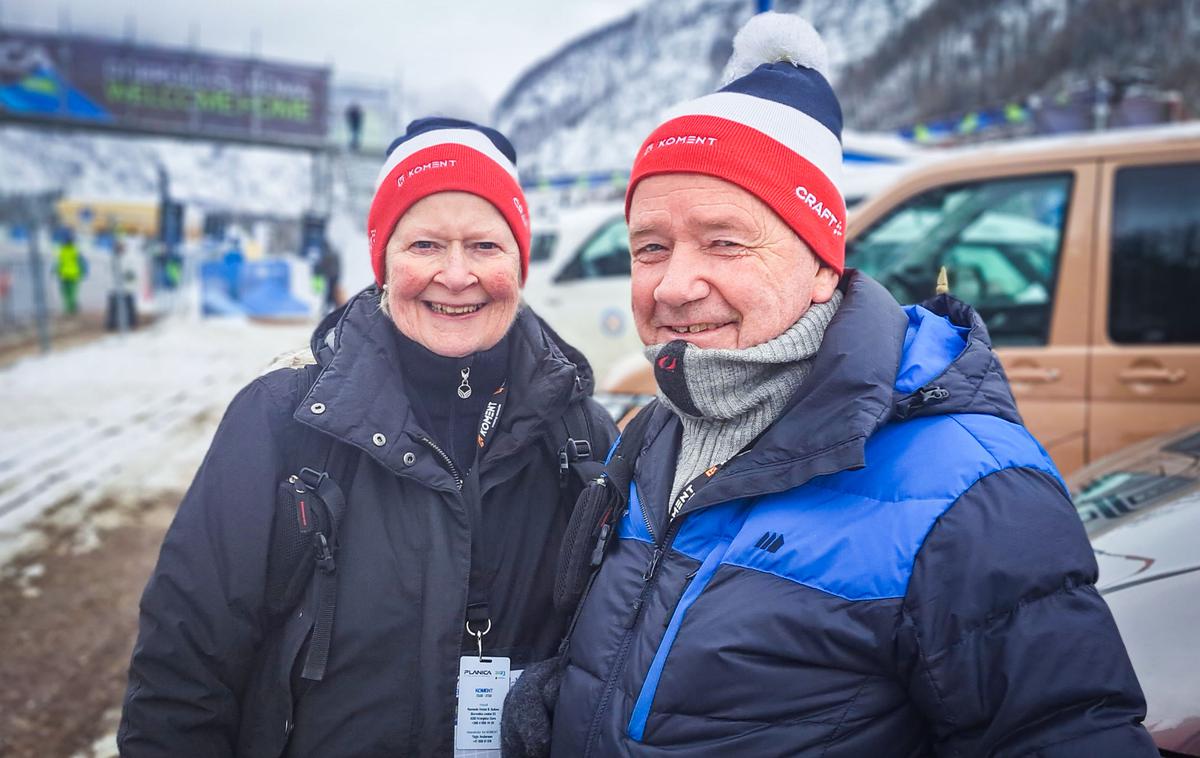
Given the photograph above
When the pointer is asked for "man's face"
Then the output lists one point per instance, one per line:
(714, 266)
(453, 274)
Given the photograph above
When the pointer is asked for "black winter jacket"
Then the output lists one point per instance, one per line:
(211, 675)
(894, 568)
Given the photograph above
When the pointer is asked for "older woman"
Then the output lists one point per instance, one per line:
(420, 455)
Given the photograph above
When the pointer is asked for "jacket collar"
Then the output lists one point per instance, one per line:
(361, 397)
(877, 362)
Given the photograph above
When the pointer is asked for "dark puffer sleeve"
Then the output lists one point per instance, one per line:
(201, 613)
(1009, 648)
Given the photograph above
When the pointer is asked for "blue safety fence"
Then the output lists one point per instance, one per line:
(251, 288)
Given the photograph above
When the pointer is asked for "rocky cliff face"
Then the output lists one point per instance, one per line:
(897, 62)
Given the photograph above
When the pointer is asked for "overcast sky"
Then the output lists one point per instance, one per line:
(426, 44)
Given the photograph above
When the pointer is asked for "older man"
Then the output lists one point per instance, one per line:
(840, 540)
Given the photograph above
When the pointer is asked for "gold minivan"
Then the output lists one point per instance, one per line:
(1081, 253)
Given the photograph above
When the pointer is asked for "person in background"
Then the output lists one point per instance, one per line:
(122, 299)
(840, 539)
(70, 268)
(441, 419)
(234, 260)
(329, 268)
(354, 122)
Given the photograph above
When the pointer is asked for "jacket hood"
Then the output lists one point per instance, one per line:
(878, 362)
(360, 396)
(947, 364)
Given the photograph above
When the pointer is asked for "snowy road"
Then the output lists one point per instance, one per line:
(97, 446)
(121, 418)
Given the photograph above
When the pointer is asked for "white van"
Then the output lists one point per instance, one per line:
(581, 287)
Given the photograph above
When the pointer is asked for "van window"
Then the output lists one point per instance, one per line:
(541, 246)
(606, 253)
(999, 241)
(1155, 271)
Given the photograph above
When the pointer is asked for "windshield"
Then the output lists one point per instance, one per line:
(1118, 487)
(998, 239)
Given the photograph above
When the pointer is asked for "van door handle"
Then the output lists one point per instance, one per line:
(1033, 375)
(1149, 375)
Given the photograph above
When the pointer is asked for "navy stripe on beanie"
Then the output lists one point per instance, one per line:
(446, 155)
(433, 123)
(801, 88)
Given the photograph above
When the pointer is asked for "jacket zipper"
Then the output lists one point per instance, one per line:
(627, 641)
(446, 461)
(646, 518)
(648, 581)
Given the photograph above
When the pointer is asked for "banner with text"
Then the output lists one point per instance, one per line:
(143, 88)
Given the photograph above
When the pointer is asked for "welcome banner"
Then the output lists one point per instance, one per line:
(144, 88)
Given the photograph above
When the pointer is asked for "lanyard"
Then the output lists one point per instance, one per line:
(490, 418)
(691, 488)
(479, 620)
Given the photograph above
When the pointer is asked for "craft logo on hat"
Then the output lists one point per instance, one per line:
(520, 209)
(818, 207)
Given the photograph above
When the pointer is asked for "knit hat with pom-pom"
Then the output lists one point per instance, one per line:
(446, 155)
(774, 130)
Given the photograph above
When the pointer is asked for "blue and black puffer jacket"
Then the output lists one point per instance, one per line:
(893, 569)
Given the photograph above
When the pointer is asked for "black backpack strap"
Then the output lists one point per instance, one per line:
(589, 532)
(324, 544)
(578, 460)
(310, 507)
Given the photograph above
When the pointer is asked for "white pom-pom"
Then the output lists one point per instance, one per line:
(772, 37)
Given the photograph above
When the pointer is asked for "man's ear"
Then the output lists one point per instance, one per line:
(824, 283)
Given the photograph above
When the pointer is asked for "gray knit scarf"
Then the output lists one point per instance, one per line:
(727, 397)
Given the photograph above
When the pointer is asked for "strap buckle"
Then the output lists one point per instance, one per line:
(573, 451)
(312, 478)
(325, 560)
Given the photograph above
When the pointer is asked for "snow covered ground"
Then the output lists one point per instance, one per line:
(119, 420)
(97, 445)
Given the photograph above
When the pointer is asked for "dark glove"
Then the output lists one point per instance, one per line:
(529, 710)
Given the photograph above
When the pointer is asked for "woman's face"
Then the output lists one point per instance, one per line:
(453, 274)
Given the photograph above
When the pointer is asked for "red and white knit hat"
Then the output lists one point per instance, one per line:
(446, 155)
(774, 130)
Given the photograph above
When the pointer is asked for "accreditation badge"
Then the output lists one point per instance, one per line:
(483, 683)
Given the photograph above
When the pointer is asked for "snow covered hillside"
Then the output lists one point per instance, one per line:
(206, 175)
(896, 63)
(588, 106)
